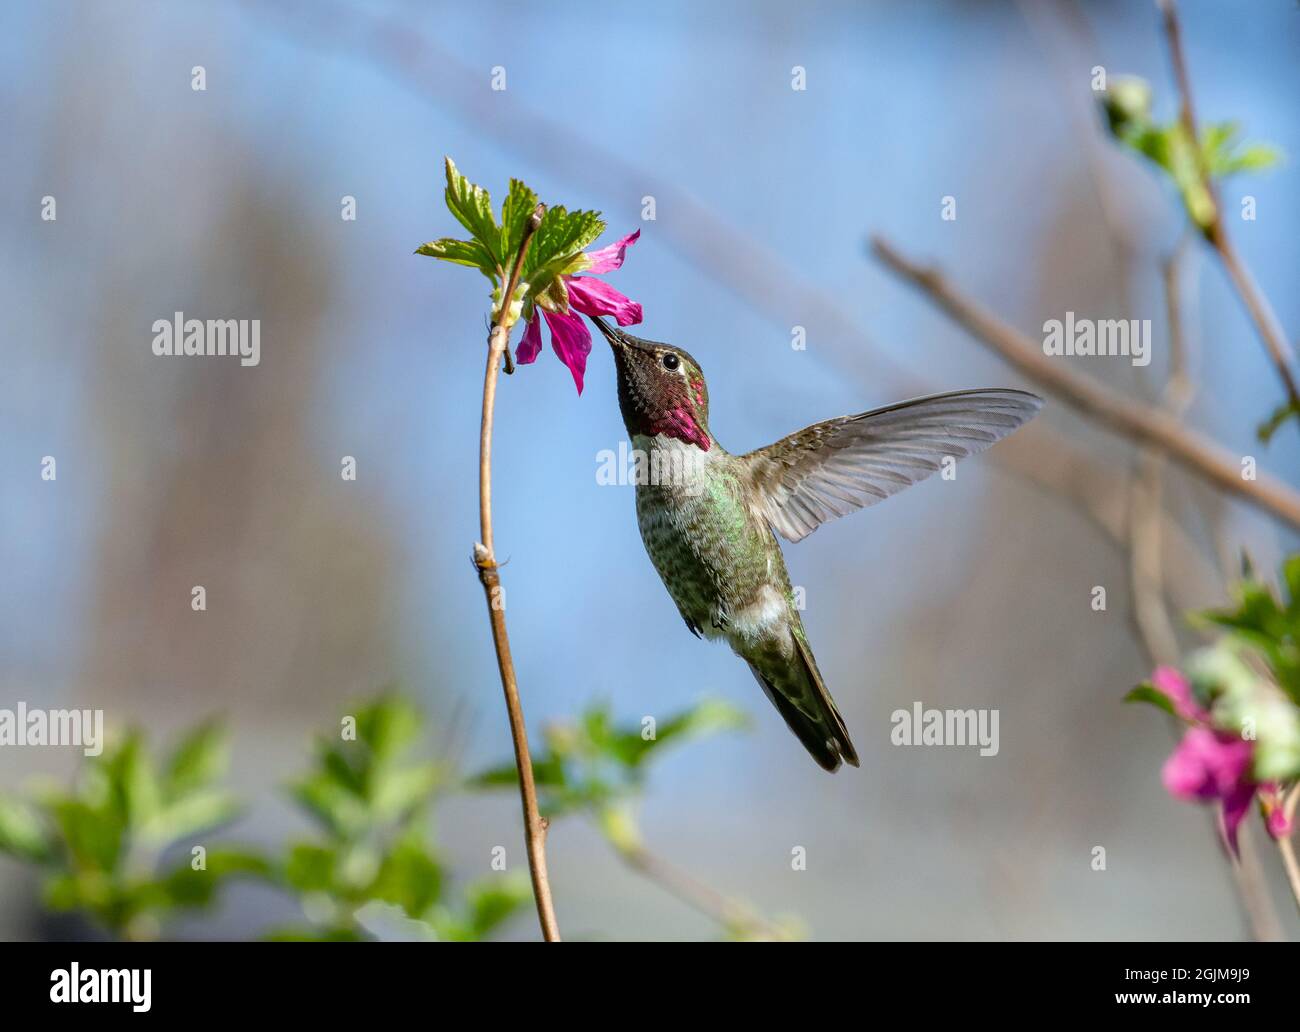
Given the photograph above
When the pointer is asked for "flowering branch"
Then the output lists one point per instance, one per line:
(533, 256)
(1261, 312)
(490, 577)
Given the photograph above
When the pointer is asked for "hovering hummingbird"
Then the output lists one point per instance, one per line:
(711, 529)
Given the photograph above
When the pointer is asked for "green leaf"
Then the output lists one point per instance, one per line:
(398, 792)
(1146, 692)
(517, 208)
(548, 772)
(409, 876)
(1223, 157)
(345, 766)
(201, 758)
(561, 236)
(93, 836)
(1274, 422)
(493, 901)
(310, 868)
(472, 207)
(339, 811)
(710, 716)
(1255, 157)
(185, 887)
(462, 252)
(197, 812)
(22, 832)
(1291, 578)
(388, 725)
(133, 780)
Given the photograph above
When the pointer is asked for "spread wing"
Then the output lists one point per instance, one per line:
(832, 468)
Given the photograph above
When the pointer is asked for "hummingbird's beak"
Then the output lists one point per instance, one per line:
(616, 337)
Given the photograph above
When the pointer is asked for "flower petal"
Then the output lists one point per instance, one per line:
(1236, 804)
(530, 345)
(596, 297)
(607, 259)
(1270, 798)
(1178, 690)
(571, 341)
(1207, 765)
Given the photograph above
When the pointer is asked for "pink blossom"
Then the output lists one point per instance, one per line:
(1207, 764)
(1178, 690)
(1211, 764)
(570, 338)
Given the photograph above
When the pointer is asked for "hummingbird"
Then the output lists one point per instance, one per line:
(711, 527)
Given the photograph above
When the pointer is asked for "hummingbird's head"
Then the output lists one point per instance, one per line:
(661, 389)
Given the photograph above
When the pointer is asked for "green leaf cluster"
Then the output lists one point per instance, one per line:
(370, 870)
(1266, 624)
(100, 844)
(555, 250)
(1219, 153)
(596, 768)
(370, 797)
(592, 763)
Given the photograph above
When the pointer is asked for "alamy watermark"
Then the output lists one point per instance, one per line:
(680, 467)
(921, 726)
(34, 726)
(1099, 337)
(75, 984)
(181, 336)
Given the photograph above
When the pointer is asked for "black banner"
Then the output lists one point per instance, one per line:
(145, 982)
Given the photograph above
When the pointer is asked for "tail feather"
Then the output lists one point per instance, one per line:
(799, 694)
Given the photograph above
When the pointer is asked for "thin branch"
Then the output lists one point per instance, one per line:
(1261, 312)
(1146, 547)
(1117, 413)
(489, 575)
(1287, 848)
(729, 913)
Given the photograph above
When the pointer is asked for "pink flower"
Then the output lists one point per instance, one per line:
(1206, 765)
(570, 338)
(1178, 690)
(1210, 764)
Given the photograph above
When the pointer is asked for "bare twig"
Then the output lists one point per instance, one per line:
(1146, 496)
(729, 913)
(489, 575)
(1130, 419)
(1261, 312)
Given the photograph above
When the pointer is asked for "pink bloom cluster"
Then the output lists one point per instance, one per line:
(570, 338)
(1212, 764)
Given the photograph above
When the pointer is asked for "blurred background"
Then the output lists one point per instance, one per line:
(225, 203)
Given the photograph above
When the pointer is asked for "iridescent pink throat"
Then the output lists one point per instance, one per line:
(679, 422)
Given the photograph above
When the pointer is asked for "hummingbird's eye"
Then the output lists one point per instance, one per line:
(670, 361)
